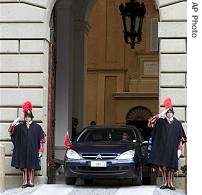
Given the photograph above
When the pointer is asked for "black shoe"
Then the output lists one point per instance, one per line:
(164, 187)
(24, 185)
(172, 188)
(30, 185)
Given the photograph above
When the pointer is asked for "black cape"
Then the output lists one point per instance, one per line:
(165, 140)
(26, 143)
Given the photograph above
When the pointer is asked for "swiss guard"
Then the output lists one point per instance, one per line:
(28, 139)
(167, 139)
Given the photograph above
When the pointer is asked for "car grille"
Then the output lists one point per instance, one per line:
(98, 169)
(96, 156)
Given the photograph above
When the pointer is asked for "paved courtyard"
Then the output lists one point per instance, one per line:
(62, 189)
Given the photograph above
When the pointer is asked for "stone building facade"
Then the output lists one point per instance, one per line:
(27, 28)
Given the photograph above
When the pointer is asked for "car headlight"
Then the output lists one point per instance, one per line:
(72, 154)
(126, 155)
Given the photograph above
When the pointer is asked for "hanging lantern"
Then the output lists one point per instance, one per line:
(132, 15)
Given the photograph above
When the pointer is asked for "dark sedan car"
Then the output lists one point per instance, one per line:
(105, 152)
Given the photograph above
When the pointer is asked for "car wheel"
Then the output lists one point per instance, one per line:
(138, 180)
(70, 180)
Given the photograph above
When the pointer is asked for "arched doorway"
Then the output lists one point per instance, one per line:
(71, 28)
(141, 123)
(138, 116)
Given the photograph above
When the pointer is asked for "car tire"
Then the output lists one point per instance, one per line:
(138, 180)
(70, 180)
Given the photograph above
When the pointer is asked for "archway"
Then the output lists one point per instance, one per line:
(138, 116)
(83, 50)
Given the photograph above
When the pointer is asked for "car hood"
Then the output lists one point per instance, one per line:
(103, 148)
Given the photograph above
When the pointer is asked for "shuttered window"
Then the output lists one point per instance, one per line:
(154, 34)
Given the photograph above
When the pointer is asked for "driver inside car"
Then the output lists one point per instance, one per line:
(125, 136)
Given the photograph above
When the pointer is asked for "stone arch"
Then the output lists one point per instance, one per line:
(51, 4)
(138, 116)
(172, 16)
(49, 9)
(138, 113)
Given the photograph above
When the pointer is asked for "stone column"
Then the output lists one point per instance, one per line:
(2, 168)
(81, 29)
(64, 41)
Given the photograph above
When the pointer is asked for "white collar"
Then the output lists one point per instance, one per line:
(170, 119)
(29, 123)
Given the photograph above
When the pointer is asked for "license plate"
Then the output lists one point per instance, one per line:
(98, 164)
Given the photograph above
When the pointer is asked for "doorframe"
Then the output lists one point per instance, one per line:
(51, 174)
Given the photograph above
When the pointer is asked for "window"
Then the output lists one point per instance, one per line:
(154, 34)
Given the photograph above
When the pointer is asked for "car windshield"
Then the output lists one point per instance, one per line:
(108, 135)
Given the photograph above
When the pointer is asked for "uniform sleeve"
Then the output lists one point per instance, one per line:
(42, 136)
(14, 133)
(156, 129)
(42, 140)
